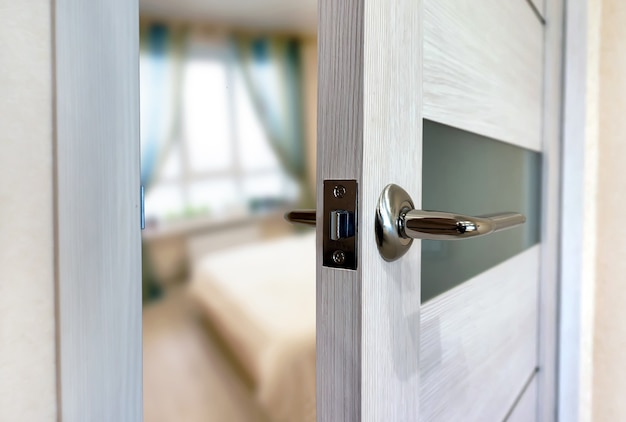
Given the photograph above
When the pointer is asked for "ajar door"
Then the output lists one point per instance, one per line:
(433, 197)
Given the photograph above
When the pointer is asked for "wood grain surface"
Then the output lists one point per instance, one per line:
(479, 343)
(483, 69)
(369, 129)
(98, 262)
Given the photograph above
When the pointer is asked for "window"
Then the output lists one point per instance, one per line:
(217, 158)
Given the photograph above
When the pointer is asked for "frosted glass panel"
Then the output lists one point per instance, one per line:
(467, 173)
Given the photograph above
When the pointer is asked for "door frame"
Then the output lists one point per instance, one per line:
(578, 203)
(97, 239)
(112, 324)
(549, 280)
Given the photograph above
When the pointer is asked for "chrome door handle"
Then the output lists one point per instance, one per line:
(398, 223)
(435, 225)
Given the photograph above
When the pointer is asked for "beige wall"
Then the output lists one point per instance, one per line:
(609, 352)
(27, 328)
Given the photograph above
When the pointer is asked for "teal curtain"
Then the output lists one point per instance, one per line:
(162, 51)
(154, 44)
(272, 70)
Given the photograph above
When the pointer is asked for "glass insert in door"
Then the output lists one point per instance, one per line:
(471, 174)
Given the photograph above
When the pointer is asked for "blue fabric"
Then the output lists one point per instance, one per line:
(156, 49)
(293, 75)
(157, 46)
(274, 76)
(260, 50)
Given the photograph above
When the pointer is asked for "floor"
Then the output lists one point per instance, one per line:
(186, 375)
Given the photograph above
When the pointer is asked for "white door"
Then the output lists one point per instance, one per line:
(456, 102)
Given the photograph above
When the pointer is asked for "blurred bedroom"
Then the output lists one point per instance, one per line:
(228, 134)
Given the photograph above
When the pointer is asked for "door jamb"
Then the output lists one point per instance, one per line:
(551, 173)
(577, 224)
(97, 245)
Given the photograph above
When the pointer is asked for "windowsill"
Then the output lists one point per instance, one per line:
(208, 223)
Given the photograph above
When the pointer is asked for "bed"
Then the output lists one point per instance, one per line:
(260, 298)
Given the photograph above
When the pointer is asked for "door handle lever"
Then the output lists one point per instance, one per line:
(341, 222)
(301, 217)
(434, 225)
(398, 223)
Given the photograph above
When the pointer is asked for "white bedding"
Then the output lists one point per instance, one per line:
(261, 299)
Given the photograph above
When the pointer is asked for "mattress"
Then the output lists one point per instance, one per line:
(261, 300)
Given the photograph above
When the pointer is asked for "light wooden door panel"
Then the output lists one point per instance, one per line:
(339, 125)
(367, 110)
(525, 408)
(478, 343)
(392, 151)
(539, 7)
(483, 68)
(469, 353)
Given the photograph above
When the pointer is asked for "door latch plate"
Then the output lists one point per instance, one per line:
(340, 224)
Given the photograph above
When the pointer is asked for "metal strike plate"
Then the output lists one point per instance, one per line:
(340, 224)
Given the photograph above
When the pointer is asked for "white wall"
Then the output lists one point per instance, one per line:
(27, 320)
